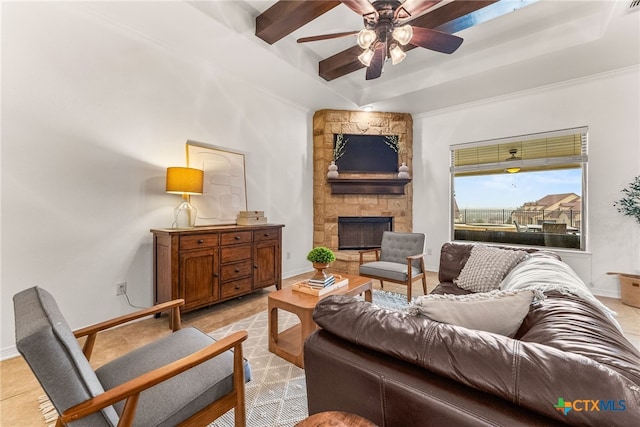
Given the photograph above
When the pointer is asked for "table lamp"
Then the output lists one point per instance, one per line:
(185, 181)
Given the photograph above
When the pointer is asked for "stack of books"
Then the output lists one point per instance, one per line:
(307, 288)
(251, 218)
(319, 284)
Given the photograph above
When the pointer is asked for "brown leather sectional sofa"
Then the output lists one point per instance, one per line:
(401, 370)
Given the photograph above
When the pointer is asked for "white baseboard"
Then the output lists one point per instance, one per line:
(9, 353)
(606, 293)
(292, 273)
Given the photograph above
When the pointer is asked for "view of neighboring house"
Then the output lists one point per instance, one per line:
(553, 208)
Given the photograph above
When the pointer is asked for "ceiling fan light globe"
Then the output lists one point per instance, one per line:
(403, 35)
(366, 38)
(366, 57)
(513, 170)
(396, 54)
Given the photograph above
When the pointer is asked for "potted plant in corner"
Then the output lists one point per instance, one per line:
(321, 257)
(630, 204)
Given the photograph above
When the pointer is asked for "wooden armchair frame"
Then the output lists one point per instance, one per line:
(410, 278)
(130, 390)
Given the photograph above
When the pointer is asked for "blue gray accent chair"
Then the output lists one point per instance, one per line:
(183, 378)
(399, 259)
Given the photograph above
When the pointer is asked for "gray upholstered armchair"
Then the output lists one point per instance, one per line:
(400, 259)
(184, 378)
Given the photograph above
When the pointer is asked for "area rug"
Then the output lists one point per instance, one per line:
(276, 396)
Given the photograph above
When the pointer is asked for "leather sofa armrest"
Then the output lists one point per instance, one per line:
(453, 257)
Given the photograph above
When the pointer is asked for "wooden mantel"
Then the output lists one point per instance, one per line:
(368, 185)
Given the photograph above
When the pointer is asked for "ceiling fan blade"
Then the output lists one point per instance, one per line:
(327, 36)
(414, 8)
(374, 70)
(361, 7)
(435, 40)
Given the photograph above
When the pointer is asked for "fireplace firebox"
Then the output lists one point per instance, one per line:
(362, 232)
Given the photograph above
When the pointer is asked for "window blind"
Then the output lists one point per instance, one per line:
(548, 150)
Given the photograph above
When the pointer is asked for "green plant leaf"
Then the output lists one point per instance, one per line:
(321, 254)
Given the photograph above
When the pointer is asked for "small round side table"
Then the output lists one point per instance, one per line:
(335, 419)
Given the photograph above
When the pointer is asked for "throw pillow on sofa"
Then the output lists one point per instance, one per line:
(500, 312)
(486, 267)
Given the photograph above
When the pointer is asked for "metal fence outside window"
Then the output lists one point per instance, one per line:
(524, 217)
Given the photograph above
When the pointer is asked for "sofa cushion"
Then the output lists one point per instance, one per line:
(500, 312)
(590, 333)
(486, 267)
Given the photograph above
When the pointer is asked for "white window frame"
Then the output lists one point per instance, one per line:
(484, 163)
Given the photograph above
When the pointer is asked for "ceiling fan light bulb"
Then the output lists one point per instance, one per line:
(366, 38)
(397, 54)
(403, 35)
(366, 57)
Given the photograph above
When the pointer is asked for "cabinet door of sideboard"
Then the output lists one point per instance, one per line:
(199, 284)
(267, 258)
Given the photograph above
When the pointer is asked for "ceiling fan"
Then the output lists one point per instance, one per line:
(386, 30)
(513, 169)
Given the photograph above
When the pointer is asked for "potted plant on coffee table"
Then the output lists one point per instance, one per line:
(321, 257)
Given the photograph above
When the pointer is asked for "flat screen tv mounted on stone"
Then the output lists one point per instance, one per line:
(366, 153)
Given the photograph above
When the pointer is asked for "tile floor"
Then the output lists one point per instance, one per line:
(19, 390)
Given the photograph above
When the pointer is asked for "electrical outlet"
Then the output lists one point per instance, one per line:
(429, 252)
(121, 288)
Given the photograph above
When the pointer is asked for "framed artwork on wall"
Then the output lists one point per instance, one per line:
(224, 190)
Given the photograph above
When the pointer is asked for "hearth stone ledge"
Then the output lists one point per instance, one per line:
(348, 261)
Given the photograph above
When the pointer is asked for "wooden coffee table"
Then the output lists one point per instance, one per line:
(335, 418)
(288, 344)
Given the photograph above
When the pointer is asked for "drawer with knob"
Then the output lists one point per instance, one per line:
(235, 238)
(234, 253)
(235, 270)
(237, 287)
(197, 241)
(267, 234)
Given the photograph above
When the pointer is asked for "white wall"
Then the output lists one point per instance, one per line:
(93, 111)
(608, 104)
(91, 117)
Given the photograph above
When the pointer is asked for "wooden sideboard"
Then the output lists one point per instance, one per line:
(207, 265)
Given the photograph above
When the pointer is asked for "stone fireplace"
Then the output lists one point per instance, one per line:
(366, 201)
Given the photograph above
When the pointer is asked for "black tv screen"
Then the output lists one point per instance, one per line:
(366, 153)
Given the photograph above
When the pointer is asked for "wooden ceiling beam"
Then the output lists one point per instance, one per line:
(286, 16)
(451, 18)
(462, 15)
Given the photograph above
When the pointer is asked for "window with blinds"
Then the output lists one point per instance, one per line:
(527, 190)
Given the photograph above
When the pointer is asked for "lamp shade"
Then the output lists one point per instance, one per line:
(184, 180)
(366, 57)
(397, 54)
(403, 34)
(366, 38)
